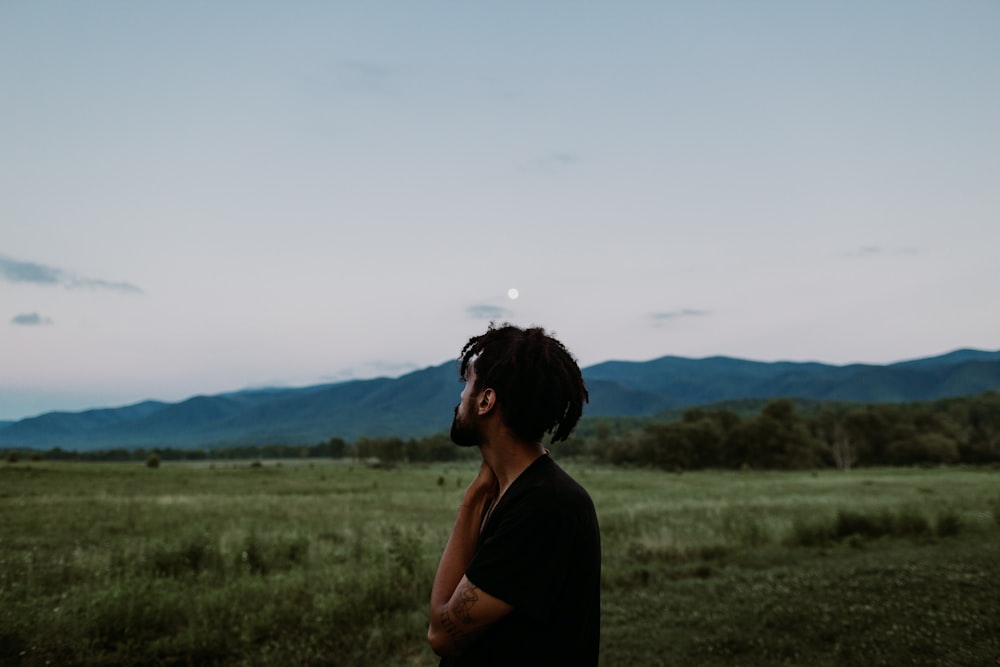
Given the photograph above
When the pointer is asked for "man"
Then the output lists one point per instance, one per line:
(519, 579)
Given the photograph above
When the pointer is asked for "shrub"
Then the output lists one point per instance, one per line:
(907, 523)
(850, 523)
(810, 533)
(259, 557)
(195, 554)
(744, 527)
(252, 558)
(406, 550)
(947, 525)
(910, 523)
(153, 460)
(853, 528)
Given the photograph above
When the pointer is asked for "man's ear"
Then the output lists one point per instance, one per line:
(487, 402)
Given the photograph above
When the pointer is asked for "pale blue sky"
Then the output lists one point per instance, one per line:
(201, 197)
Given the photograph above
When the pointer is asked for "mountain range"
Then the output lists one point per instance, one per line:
(422, 402)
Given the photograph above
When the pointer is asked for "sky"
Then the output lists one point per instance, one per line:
(204, 197)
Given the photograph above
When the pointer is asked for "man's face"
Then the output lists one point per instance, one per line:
(465, 429)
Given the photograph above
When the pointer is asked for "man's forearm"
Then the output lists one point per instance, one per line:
(455, 559)
(461, 544)
(442, 633)
(445, 634)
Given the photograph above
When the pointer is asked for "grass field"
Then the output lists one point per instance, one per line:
(330, 563)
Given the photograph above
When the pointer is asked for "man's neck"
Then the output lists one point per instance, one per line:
(509, 457)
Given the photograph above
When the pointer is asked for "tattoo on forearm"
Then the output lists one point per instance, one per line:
(463, 604)
(461, 609)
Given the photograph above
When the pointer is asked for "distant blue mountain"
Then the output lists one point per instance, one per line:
(421, 403)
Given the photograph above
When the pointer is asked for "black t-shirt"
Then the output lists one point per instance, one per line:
(540, 552)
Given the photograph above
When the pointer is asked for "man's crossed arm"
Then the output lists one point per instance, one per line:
(460, 620)
(459, 610)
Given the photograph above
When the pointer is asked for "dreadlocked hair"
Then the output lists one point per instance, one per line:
(537, 381)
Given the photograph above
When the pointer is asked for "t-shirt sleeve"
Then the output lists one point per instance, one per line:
(523, 559)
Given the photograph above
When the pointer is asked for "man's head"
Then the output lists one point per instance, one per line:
(535, 382)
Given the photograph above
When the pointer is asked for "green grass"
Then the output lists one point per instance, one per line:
(331, 563)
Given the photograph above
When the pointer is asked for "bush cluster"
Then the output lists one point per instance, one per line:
(855, 527)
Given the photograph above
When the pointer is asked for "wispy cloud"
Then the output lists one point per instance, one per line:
(875, 251)
(30, 320)
(552, 161)
(670, 315)
(370, 370)
(485, 311)
(359, 76)
(16, 271)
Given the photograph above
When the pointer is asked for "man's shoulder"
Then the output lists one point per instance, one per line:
(547, 474)
(549, 489)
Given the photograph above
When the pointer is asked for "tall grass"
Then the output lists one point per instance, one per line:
(320, 564)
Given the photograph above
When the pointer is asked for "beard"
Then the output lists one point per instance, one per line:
(465, 433)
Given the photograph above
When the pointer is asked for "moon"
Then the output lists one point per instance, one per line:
(512, 294)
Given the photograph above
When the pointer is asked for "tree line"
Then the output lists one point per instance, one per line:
(384, 451)
(780, 435)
